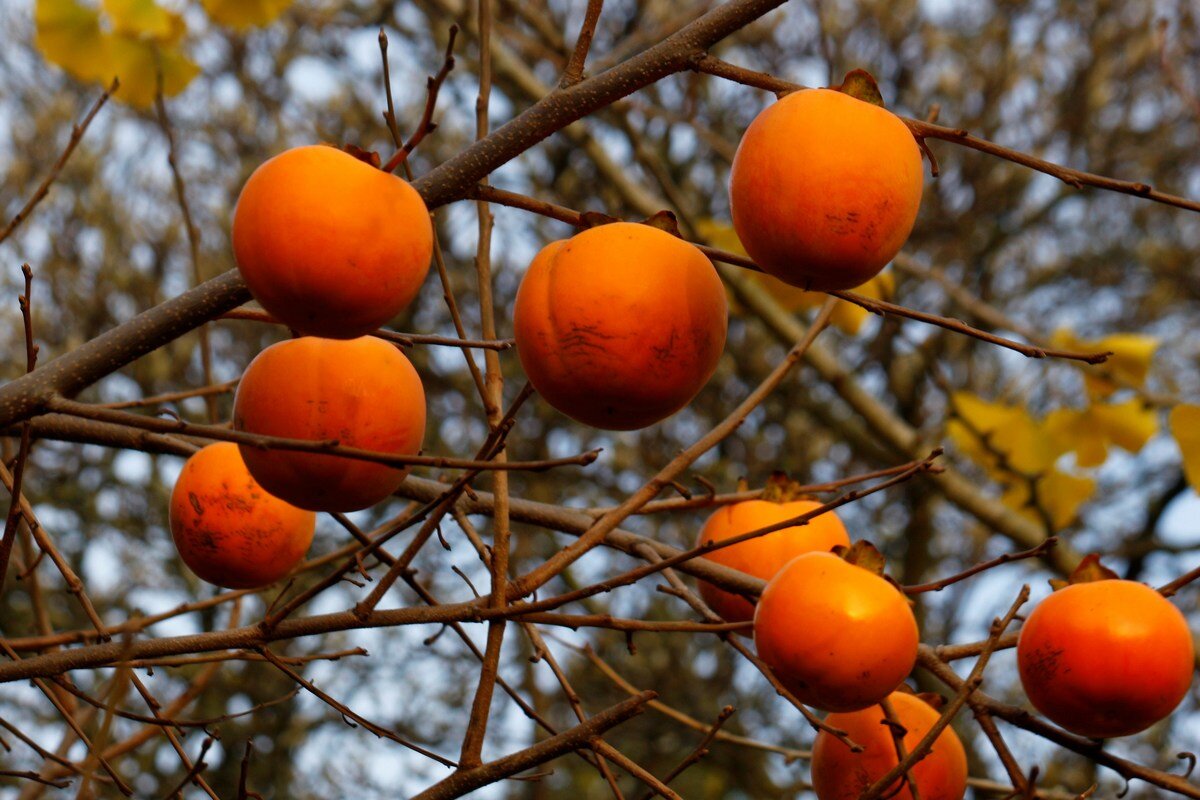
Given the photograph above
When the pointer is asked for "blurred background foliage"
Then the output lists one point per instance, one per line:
(1096, 85)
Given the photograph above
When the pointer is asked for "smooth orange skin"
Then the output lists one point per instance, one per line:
(328, 244)
(228, 529)
(836, 636)
(1106, 658)
(620, 326)
(838, 774)
(362, 392)
(825, 189)
(766, 555)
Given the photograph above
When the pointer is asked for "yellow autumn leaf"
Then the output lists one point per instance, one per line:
(137, 62)
(1128, 364)
(144, 19)
(1001, 436)
(1089, 432)
(1059, 494)
(68, 34)
(143, 39)
(1070, 429)
(1185, 427)
(1062, 495)
(1128, 425)
(243, 14)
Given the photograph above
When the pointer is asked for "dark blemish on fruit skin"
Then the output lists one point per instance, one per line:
(584, 337)
(842, 225)
(1044, 664)
(204, 539)
(666, 351)
(196, 505)
(238, 504)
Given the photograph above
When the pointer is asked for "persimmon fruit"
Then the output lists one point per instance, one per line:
(329, 244)
(764, 556)
(836, 635)
(621, 325)
(839, 774)
(360, 392)
(228, 529)
(1105, 658)
(825, 189)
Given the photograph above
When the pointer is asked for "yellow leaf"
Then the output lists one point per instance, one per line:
(1070, 429)
(136, 63)
(1059, 495)
(243, 14)
(1062, 495)
(1001, 437)
(1089, 432)
(69, 35)
(1128, 364)
(1128, 425)
(144, 35)
(144, 19)
(1185, 426)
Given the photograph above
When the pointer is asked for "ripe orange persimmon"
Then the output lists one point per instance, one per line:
(621, 325)
(837, 636)
(328, 244)
(838, 774)
(1105, 658)
(766, 555)
(825, 188)
(361, 392)
(228, 529)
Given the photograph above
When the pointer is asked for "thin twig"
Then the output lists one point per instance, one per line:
(77, 132)
(573, 72)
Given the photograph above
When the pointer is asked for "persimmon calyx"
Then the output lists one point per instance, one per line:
(861, 85)
(782, 489)
(665, 221)
(862, 554)
(367, 156)
(594, 219)
(1089, 570)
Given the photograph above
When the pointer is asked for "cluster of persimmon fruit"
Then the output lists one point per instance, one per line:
(1100, 656)
(619, 327)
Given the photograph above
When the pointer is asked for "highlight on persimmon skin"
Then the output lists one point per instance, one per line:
(621, 325)
(837, 636)
(328, 244)
(1106, 658)
(763, 556)
(839, 774)
(360, 392)
(825, 188)
(228, 529)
